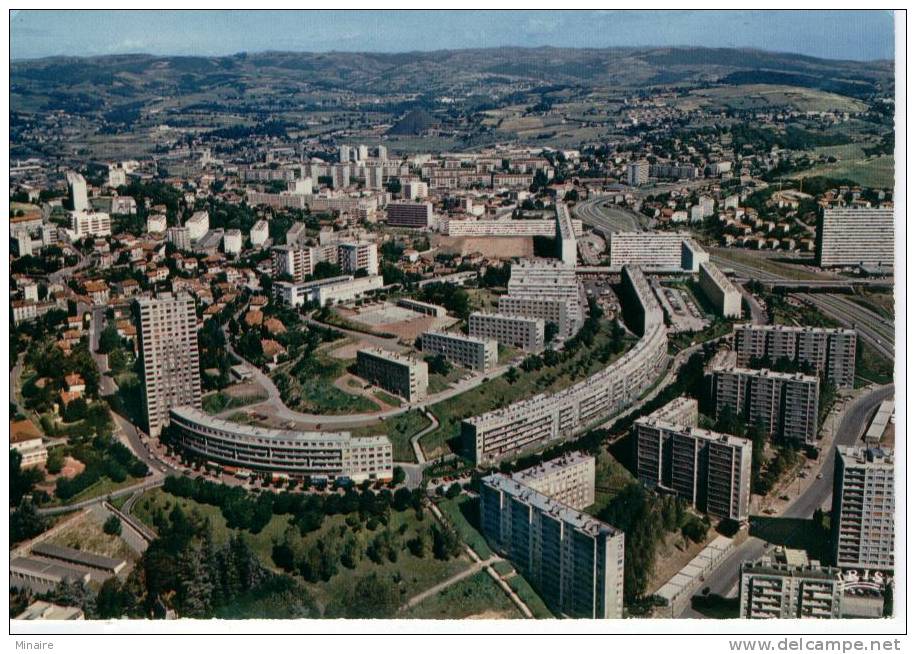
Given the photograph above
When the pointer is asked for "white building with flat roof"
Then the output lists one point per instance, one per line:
(396, 373)
(720, 291)
(198, 225)
(469, 351)
(848, 236)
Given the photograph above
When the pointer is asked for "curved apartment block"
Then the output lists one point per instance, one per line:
(540, 420)
(295, 453)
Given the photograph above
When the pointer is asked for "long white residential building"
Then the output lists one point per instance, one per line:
(505, 227)
(329, 455)
(565, 235)
(848, 236)
(90, 223)
(656, 251)
(536, 422)
(326, 291)
(514, 331)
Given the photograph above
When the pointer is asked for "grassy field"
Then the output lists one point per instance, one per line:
(528, 595)
(477, 596)
(462, 512)
(220, 401)
(387, 398)
(880, 303)
(399, 429)
(416, 574)
(498, 392)
(310, 388)
(610, 477)
(876, 172)
(86, 534)
(749, 96)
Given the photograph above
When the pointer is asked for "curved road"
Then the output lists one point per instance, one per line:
(852, 425)
(609, 218)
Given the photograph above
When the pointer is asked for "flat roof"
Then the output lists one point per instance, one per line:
(77, 556)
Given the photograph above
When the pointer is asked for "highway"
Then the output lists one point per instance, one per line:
(852, 425)
(610, 218)
(876, 330)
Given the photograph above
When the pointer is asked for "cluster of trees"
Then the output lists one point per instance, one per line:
(451, 296)
(646, 518)
(103, 457)
(51, 364)
(185, 570)
(252, 511)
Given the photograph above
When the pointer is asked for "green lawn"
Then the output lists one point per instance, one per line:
(308, 386)
(220, 401)
(877, 172)
(498, 392)
(102, 487)
(415, 574)
(462, 512)
(399, 429)
(478, 595)
(387, 398)
(610, 477)
(528, 595)
(503, 568)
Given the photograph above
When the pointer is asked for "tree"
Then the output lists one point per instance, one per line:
(551, 329)
(438, 365)
(112, 526)
(22, 480)
(512, 375)
(370, 596)
(398, 476)
(109, 339)
(26, 522)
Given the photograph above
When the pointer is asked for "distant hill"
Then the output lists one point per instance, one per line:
(415, 122)
(123, 77)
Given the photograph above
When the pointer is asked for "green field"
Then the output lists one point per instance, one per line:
(877, 172)
(309, 387)
(528, 595)
(476, 596)
(610, 477)
(399, 429)
(415, 574)
(218, 402)
(752, 96)
(461, 511)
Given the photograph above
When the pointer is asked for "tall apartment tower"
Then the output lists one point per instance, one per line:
(637, 173)
(167, 326)
(79, 195)
(863, 508)
(344, 154)
(831, 352)
(574, 561)
(785, 404)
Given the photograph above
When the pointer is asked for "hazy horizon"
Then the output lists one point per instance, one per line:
(849, 35)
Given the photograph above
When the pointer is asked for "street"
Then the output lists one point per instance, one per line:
(853, 424)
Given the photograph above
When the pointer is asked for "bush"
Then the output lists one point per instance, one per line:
(112, 526)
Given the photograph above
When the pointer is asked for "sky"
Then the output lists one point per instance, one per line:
(857, 35)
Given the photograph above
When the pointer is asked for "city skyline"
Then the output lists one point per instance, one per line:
(852, 35)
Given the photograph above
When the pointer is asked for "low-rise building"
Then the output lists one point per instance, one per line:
(319, 454)
(328, 291)
(469, 351)
(514, 331)
(789, 589)
(396, 373)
